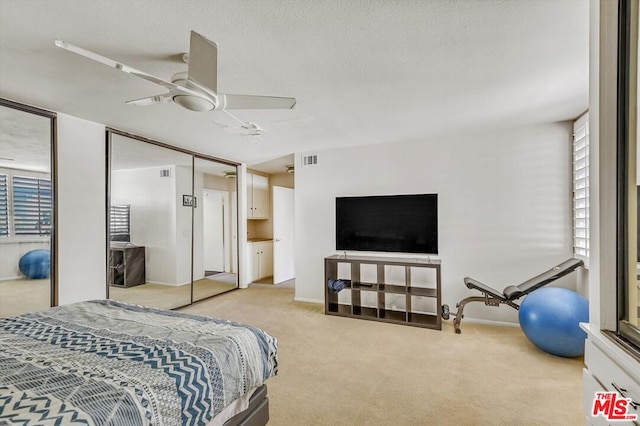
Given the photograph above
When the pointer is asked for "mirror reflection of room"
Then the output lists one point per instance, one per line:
(26, 212)
(173, 225)
(150, 225)
(215, 223)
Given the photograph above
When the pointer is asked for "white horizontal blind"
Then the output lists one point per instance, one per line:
(119, 223)
(31, 206)
(581, 187)
(4, 206)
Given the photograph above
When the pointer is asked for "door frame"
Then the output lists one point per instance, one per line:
(278, 191)
(226, 229)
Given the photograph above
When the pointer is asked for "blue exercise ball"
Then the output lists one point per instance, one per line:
(550, 318)
(36, 264)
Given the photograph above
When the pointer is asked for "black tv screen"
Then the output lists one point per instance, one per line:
(389, 223)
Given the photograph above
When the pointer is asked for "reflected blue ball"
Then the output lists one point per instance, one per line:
(550, 318)
(36, 264)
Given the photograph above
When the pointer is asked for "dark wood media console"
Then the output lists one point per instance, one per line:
(389, 289)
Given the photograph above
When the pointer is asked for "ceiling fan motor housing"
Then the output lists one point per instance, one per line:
(194, 103)
(205, 102)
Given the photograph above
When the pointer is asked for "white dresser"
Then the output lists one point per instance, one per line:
(608, 368)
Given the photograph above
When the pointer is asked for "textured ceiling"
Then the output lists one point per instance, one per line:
(363, 71)
(25, 140)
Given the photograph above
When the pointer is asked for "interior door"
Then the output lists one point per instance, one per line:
(283, 226)
(215, 228)
(215, 218)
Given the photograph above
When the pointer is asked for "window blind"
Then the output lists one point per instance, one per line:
(581, 187)
(119, 223)
(4, 206)
(31, 206)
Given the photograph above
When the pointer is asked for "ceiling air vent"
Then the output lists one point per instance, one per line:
(165, 173)
(310, 160)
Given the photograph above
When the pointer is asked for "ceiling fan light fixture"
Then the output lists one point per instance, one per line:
(194, 103)
(195, 89)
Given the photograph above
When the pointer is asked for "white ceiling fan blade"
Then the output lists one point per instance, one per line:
(119, 66)
(203, 62)
(255, 102)
(151, 100)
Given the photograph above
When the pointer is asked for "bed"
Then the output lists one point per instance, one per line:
(110, 363)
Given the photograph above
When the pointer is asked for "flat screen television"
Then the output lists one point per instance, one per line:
(388, 223)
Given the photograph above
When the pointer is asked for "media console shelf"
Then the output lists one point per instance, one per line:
(390, 289)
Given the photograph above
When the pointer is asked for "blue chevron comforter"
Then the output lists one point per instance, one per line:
(110, 363)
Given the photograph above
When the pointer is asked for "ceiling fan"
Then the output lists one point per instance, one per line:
(244, 128)
(195, 89)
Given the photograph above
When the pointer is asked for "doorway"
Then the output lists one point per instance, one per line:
(283, 234)
(216, 232)
(215, 241)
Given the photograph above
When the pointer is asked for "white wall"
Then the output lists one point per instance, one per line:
(198, 219)
(183, 224)
(243, 276)
(159, 221)
(153, 225)
(504, 205)
(81, 210)
(11, 254)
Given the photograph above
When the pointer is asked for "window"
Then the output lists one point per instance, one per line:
(31, 206)
(119, 223)
(581, 188)
(4, 206)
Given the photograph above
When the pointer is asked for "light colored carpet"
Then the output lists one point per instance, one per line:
(23, 295)
(214, 284)
(343, 371)
(169, 297)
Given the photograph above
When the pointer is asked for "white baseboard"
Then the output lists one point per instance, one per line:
(167, 284)
(307, 300)
(12, 278)
(466, 320)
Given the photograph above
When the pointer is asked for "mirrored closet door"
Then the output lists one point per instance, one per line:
(215, 223)
(150, 223)
(27, 266)
(173, 223)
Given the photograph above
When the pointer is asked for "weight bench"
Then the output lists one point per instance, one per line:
(493, 297)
